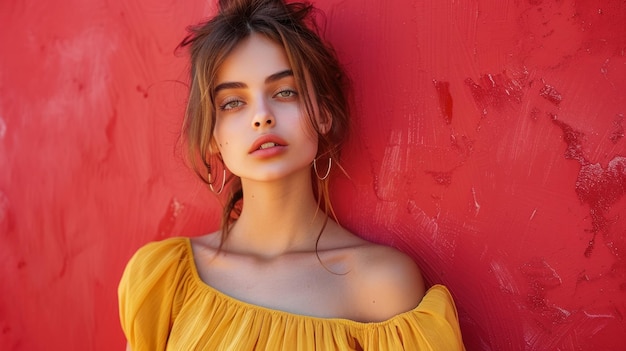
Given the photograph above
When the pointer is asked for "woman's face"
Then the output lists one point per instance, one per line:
(261, 129)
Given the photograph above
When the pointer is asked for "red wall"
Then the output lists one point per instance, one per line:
(488, 143)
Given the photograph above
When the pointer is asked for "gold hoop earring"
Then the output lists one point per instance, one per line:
(223, 183)
(330, 164)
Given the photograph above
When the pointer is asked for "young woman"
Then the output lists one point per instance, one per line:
(266, 116)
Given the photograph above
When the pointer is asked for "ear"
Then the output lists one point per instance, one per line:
(324, 122)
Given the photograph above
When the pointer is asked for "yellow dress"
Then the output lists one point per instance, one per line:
(164, 305)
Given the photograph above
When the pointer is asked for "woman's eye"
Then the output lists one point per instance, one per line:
(230, 105)
(285, 94)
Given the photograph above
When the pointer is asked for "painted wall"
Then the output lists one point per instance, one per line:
(488, 143)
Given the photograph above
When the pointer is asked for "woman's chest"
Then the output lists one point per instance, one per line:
(300, 284)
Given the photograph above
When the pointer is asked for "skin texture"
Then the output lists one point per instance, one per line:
(269, 258)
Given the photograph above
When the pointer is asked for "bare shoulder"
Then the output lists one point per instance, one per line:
(386, 282)
(209, 241)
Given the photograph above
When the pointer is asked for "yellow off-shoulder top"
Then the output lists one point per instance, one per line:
(164, 305)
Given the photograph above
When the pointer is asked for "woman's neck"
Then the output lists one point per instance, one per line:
(277, 218)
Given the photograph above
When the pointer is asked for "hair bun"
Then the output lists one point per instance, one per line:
(239, 6)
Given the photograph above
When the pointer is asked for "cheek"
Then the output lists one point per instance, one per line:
(307, 127)
(222, 142)
(311, 137)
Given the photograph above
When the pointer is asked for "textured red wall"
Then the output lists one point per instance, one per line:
(489, 144)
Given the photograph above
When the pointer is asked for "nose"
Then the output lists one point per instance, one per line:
(268, 121)
(263, 117)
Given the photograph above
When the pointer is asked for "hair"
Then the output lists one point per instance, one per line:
(315, 67)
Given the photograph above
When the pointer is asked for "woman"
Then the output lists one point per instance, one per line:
(266, 116)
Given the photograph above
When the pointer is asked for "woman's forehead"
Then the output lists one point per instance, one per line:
(253, 59)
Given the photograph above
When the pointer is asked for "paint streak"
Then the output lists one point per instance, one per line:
(573, 139)
(463, 144)
(445, 99)
(597, 187)
(6, 221)
(390, 175)
(3, 128)
(167, 223)
(441, 178)
(541, 278)
(593, 316)
(550, 93)
(497, 90)
(618, 129)
(476, 204)
(505, 279)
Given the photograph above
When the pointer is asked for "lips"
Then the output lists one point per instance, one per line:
(267, 141)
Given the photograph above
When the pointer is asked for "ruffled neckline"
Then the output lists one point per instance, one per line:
(240, 304)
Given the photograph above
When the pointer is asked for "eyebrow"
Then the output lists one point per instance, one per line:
(238, 85)
(278, 76)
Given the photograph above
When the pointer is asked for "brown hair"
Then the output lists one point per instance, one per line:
(293, 26)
